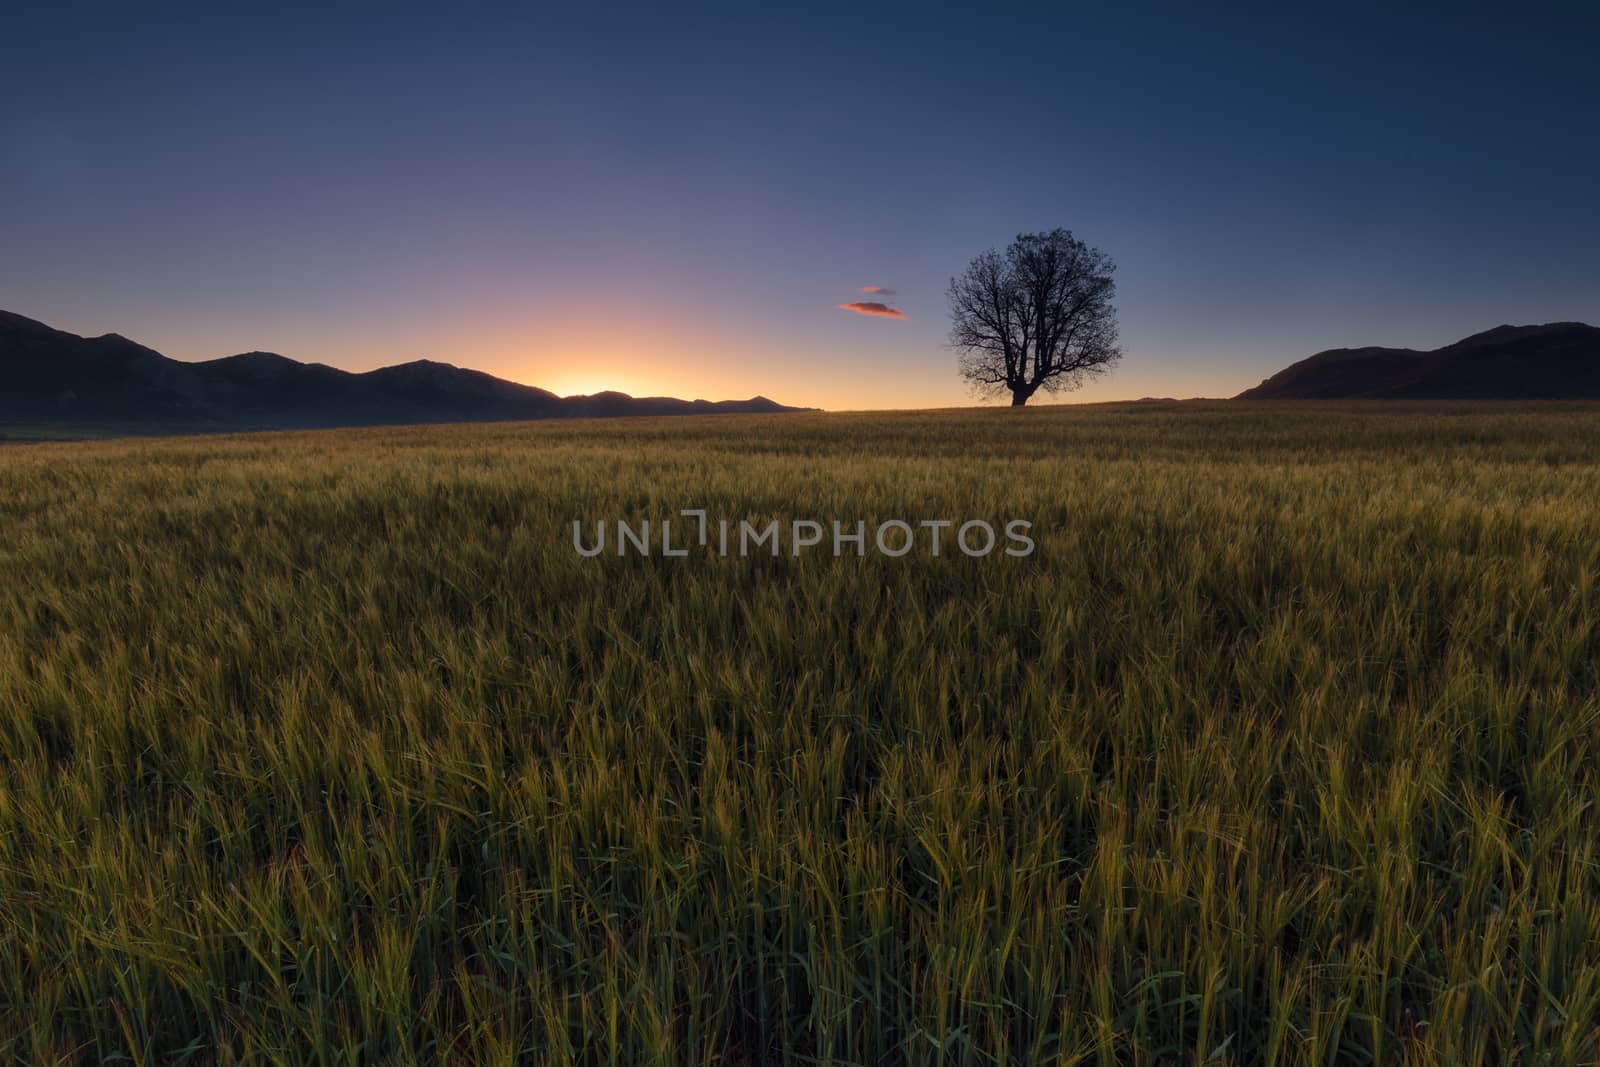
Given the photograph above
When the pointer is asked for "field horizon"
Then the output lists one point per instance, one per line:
(1355, 407)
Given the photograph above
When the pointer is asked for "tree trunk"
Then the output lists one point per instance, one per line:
(1019, 397)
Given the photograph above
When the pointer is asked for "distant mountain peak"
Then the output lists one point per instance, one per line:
(255, 357)
(1552, 361)
(1506, 332)
(423, 364)
(11, 322)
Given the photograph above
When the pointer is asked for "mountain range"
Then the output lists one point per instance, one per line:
(51, 378)
(1556, 361)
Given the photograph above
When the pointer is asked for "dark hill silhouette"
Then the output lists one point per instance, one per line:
(1556, 361)
(49, 377)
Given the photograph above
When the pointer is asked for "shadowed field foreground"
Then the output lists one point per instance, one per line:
(1283, 748)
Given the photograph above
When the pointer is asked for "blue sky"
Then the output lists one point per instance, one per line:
(677, 202)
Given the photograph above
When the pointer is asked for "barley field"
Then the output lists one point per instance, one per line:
(1283, 747)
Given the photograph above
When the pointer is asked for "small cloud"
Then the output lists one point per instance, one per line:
(877, 290)
(872, 307)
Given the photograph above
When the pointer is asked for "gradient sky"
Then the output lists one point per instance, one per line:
(667, 202)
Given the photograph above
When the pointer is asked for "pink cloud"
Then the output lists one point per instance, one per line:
(872, 307)
(877, 289)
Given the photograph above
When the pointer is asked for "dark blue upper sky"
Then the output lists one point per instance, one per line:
(662, 201)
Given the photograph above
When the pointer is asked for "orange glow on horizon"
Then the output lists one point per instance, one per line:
(661, 349)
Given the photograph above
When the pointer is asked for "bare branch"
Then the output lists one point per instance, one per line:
(1038, 317)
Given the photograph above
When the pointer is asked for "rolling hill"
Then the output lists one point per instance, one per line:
(1556, 361)
(109, 384)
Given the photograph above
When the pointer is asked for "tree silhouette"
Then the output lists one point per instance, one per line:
(1037, 317)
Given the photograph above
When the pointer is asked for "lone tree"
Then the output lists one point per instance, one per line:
(1037, 317)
